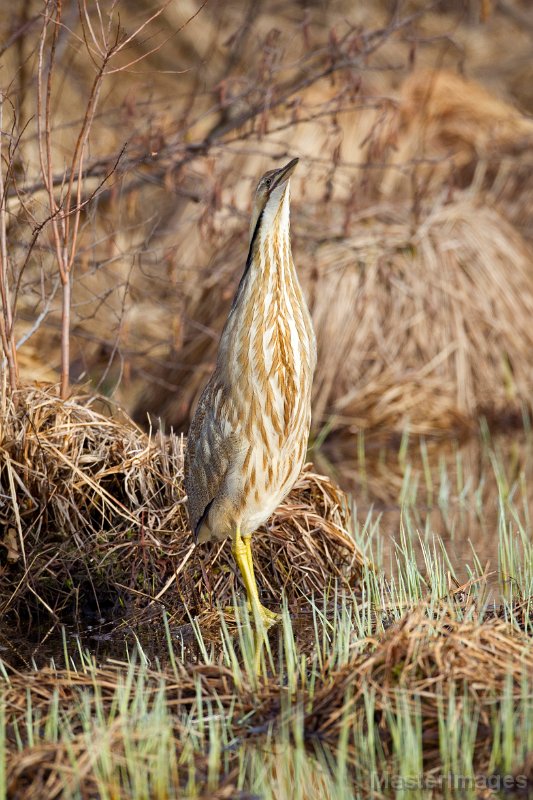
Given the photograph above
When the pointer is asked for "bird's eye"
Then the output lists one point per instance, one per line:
(268, 182)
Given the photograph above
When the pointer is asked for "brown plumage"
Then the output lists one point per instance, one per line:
(248, 437)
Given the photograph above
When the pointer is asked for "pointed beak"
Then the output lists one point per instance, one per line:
(283, 174)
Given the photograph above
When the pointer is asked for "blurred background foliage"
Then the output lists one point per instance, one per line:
(411, 205)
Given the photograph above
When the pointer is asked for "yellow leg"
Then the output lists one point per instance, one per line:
(248, 544)
(243, 556)
(271, 615)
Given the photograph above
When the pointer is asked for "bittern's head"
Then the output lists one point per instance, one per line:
(270, 192)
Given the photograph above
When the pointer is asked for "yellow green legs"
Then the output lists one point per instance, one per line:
(270, 615)
(242, 552)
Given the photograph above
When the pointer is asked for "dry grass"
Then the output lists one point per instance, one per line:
(430, 326)
(457, 134)
(421, 665)
(411, 211)
(92, 508)
(423, 654)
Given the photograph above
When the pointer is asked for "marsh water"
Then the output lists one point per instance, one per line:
(455, 495)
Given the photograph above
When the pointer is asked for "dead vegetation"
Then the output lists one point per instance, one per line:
(412, 236)
(426, 261)
(411, 209)
(422, 664)
(427, 297)
(92, 507)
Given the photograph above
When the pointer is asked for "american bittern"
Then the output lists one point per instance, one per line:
(248, 438)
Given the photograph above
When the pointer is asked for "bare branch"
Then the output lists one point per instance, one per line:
(7, 335)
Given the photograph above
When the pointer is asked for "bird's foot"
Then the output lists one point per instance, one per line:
(267, 617)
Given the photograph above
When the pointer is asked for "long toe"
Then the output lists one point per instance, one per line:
(268, 617)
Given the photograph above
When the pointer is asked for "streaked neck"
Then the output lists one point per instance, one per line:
(272, 249)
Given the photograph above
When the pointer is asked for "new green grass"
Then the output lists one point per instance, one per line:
(300, 728)
(130, 743)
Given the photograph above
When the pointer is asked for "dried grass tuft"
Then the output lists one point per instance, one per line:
(93, 510)
(419, 666)
(421, 663)
(430, 326)
(424, 653)
(458, 134)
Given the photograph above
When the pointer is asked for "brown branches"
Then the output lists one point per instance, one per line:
(103, 38)
(194, 142)
(7, 333)
(65, 210)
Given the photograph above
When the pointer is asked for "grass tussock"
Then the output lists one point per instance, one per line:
(451, 683)
(430, 327)
(414, 679)
(92, 508)
(463, 135)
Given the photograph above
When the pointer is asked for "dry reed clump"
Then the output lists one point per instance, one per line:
(419, 664)
(92, 509)
(423, 654)
(430, 326)
(456, 133)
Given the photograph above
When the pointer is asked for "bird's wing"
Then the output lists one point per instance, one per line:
(211, 445)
